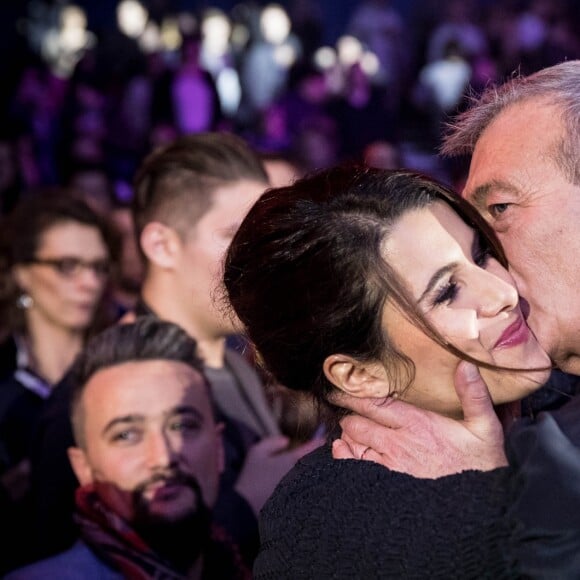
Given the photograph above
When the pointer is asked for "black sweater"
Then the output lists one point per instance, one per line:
(357, 519)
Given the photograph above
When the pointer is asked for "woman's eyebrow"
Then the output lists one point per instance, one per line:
(436, 277)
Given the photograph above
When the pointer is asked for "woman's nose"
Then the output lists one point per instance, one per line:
(88, 278)
(497, 295)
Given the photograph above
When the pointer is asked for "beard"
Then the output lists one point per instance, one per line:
(179, 540)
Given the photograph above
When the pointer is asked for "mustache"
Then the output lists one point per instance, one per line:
(174, 476)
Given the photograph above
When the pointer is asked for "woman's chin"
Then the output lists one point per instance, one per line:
(509, 387)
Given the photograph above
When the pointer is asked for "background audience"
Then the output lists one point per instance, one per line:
(55, 257)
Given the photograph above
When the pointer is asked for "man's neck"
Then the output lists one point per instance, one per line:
(162, 302)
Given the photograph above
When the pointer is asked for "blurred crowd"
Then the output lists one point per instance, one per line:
(87, 105)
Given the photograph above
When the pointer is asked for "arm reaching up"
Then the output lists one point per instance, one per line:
(421, 443)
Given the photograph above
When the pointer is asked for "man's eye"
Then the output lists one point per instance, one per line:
(125, 436)
(497, 209)
(185, 425)
(121, 436)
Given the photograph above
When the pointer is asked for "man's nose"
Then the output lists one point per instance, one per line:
(159, 451)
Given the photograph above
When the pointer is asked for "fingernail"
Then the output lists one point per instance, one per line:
(471, 372)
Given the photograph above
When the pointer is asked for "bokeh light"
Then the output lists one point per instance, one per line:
(150, 41)
(370, 63)
(285, 55)
(216, 30)
(275, 24)
(132, 18)
(325, 57)
(349, 49)
(170, 35)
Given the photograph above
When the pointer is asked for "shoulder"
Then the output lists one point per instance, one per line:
(349, 518)
(19, 404)
(77, 563)
(239, 364)
(545, 457)
(319, 474)
(8, 355)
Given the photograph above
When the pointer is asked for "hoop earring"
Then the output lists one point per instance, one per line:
(24, 301)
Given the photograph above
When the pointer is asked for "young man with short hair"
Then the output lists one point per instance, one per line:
(148, 456)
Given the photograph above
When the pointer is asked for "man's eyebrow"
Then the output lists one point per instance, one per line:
(127, 419)
(186, 410)
(479, 196)
(436, 277)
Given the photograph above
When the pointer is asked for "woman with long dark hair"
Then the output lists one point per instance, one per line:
(379, 284)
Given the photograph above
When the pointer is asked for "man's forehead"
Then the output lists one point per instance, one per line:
(147, 380)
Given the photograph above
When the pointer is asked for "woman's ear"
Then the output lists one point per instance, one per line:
(160, 244)
(20, 275)
(359, 379)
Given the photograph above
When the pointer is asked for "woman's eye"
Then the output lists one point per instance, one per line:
(446, 294)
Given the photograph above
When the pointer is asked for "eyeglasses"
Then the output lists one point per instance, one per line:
(71, 267)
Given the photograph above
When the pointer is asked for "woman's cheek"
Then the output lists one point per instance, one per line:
(459, 328)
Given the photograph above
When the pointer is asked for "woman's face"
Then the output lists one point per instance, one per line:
(470, 299)
(68, 278)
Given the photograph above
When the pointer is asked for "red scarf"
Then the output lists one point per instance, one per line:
(113, 540)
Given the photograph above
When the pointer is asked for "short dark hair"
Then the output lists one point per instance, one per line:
(148, 338)
(174, 183)
(306, 275)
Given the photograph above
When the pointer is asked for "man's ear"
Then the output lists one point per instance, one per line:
(359, 379)
(160, 244)
(80, 465)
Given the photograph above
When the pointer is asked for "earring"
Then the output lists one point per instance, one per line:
(24, 301)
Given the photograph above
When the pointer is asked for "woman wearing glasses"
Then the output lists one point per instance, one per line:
(55, 256)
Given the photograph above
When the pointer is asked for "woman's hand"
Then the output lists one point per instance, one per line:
(421, 443)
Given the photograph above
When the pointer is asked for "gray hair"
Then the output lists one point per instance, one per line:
(559, 85)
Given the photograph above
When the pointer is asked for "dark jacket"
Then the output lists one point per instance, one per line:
(356, 519)
(545, 455)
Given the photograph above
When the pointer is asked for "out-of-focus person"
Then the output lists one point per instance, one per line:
(190, 197)
(148, 455)
(55, 257)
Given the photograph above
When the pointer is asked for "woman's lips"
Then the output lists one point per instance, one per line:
(516, 333)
